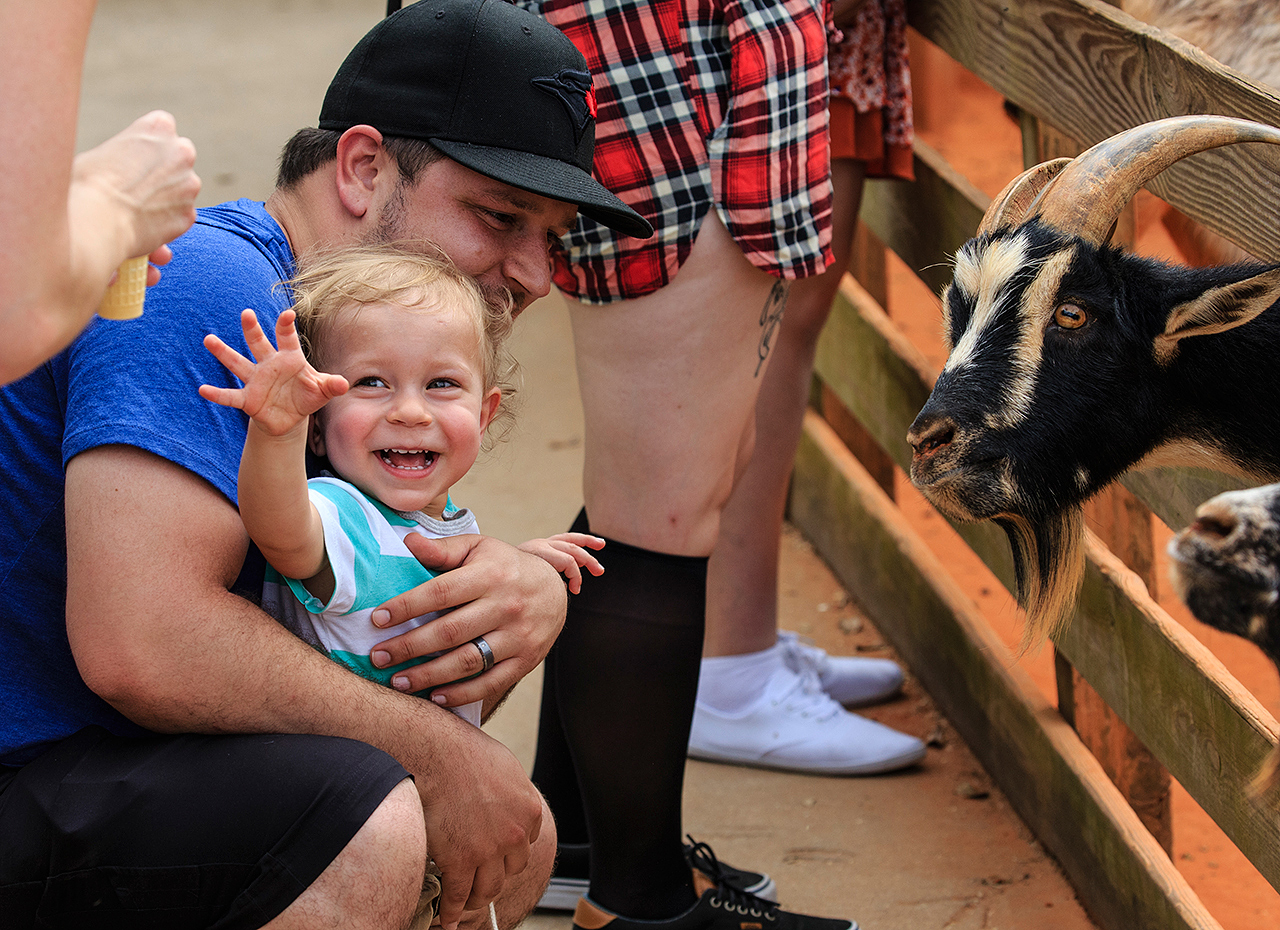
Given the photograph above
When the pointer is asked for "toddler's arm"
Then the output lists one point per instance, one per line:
(567, 553)
(280, 393)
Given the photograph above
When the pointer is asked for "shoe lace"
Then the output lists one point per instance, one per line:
(726, 896)
(806, 697)
(803, 653)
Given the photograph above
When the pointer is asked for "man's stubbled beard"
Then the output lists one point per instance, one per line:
(390, 229)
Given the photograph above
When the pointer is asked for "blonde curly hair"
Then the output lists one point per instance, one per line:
(338, 285)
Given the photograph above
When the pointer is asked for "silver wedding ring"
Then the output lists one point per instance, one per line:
(485, 652)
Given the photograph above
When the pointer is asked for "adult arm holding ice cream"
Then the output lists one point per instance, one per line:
(69, 221)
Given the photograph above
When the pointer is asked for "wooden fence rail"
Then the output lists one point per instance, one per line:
(1089, 71)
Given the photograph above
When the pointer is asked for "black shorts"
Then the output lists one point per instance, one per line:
(174, 832)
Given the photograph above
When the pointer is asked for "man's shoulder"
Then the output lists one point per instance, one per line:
(136, 383)
(234, 256)
(244, 216)
(235, 227)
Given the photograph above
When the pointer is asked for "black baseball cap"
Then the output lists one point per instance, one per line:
(492, 86)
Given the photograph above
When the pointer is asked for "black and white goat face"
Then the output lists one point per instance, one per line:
(1070, 362)
(1037, 354)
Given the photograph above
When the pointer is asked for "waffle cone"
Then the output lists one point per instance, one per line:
(124, 298)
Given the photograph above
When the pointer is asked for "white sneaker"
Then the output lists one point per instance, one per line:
(850, 680)
(795, 725)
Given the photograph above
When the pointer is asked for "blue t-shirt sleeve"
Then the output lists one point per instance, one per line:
(135, 382)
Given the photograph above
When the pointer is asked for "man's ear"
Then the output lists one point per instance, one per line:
(315, 435)
(361, 159)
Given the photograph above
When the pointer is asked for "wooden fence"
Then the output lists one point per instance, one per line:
(1080, 71)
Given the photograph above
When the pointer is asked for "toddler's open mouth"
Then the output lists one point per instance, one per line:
(408, 459)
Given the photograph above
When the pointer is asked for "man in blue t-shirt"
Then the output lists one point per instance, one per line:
(129, 655)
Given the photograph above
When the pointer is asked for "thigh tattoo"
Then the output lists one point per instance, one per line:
(770, 317)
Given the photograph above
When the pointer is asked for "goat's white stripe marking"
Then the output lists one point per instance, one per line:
(1034, 312)
(968, 274)
(984, 276)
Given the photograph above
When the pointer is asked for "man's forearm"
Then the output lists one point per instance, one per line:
(152, 550)
(237, 670)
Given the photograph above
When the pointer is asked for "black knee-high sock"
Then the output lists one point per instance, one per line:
(625, 676)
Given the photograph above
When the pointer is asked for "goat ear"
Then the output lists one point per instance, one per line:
(1217, 310)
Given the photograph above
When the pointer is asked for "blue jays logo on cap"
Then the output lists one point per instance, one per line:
(573, 89)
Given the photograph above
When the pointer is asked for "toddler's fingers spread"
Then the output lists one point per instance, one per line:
(227, 397)
(572, 577)
(581, 557)
(334, 385)
(231, 360)
(259, 344)
(287, 332)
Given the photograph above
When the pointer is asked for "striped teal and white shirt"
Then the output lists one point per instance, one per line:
(364, 541)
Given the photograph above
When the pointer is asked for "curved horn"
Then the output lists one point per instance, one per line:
(1086, 197)
(1010, 206)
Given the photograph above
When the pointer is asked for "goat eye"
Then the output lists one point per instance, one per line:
(1070, 316)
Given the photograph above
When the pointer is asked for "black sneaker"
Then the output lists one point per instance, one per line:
(701, 858)
(570, 881)
(720, 907)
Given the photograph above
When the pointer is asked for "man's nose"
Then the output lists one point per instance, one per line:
(527, 271)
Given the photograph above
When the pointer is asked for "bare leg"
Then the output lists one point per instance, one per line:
(742, 577)
(761, 701)
(375, 881)
(669, 384)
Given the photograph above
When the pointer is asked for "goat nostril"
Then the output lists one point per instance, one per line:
(932, 437)
(1214, 526)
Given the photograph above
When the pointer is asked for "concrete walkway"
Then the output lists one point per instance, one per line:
(936, 847)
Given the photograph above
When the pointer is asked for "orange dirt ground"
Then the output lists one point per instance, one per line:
(966, 122)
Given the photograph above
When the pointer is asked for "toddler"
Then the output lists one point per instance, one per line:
(393, 376)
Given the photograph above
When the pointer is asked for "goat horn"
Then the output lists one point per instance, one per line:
(1010, 206)
(1086, 197)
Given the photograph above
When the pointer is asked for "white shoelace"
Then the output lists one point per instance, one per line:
(806, 697)
(800, 654)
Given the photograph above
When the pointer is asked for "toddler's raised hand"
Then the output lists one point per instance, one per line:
(282, 390)
(567, 553)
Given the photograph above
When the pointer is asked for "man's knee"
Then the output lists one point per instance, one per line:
(542, 858)
(376, 880)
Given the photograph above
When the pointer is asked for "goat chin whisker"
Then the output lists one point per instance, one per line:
(1048, 562)
(1267, 778)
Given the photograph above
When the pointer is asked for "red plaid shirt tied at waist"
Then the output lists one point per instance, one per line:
(701, 102)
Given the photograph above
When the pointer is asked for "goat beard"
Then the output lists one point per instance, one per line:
(1265, 781)
(1048, 564)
